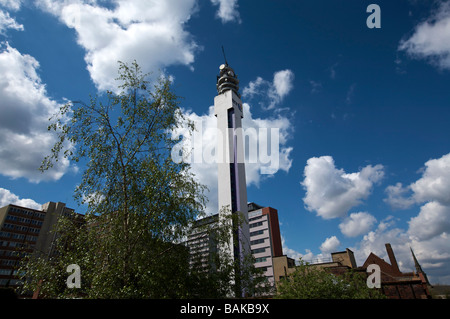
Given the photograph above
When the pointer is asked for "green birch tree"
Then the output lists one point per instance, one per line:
(139, 201)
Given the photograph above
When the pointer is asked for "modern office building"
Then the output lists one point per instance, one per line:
(265, 239)
(25, 230)
(201, 243)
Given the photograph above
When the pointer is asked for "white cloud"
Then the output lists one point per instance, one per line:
(433, 191)
(433, 220)
(205, 169)
(357, 224)
(6, 198)
(25, 109)
(227, 11)
(434, 185)
(282, 83)
(430, 38)
(428, 232)
(152, 33)
(11, 4)
(396, 196)
(330, 245)
(253, 87)
(435, 182)
(274, 92)
(7, 22)
(331, 192)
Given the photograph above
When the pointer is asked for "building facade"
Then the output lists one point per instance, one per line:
(265, 240)
(25, 230)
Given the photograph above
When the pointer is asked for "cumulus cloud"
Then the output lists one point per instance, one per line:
(396, 196)
(25, 109)
(330, 245)
(332, 192)
(7, 22)
(428, 231)
(433, 186)
(11, 4)
(435, 182)
(227, 11)
(152, 33)
(200, 149)
(433, 220)
(273, 93)
(429, 40)
(357, 224)
(6, 198)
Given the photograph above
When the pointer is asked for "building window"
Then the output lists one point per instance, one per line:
(255, 224)
(5, 272)
(260, 260)
(258, 232)
(257, 241)
(259, 250)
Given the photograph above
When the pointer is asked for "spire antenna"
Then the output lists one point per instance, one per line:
(224, 56)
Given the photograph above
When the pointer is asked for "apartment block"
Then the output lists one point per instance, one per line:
(25, 230)
(265, 239)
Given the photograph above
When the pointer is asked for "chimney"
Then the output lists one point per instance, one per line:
(392, 259)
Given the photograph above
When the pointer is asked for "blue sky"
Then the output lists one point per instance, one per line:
(363, 113)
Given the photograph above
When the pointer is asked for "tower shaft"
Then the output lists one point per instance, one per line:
(232, 188)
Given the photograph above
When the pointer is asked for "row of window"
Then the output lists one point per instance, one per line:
(5, 234)
(4, 243)
(260, 260)
(258, 232)
(12, 282)
(20, 228)
(7, 272)
(255, 224)
(27, 212)
(254, 218)
(257, 241)
(259, 250)
(8, 262)
(24, 220)
(11, 253)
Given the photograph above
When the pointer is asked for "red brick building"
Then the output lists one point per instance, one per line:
(396, 284)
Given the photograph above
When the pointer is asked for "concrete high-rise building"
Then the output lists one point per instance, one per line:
(265, 240)
(232, 188)
(25, 230)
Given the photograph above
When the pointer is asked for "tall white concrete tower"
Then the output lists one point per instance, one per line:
(232, 188)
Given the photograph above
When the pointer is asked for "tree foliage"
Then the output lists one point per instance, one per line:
(140, 203)
(312, 282)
